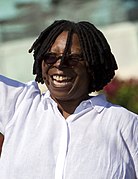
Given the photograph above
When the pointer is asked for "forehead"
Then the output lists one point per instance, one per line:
(61, 41)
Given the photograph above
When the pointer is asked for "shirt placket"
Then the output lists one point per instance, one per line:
(64, 141)
(62, 151)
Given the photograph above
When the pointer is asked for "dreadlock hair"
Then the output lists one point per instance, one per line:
(95, 50)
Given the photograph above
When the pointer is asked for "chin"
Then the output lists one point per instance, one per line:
(60, 96)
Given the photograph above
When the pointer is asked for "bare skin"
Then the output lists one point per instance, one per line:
(1, 142)
(67, 93)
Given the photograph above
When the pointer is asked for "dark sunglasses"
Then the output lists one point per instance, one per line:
(70, 60)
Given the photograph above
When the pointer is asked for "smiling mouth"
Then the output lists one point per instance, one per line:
(61, 81)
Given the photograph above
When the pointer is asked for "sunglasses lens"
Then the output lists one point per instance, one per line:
(73, 60)
(70, 60)
(50, 59)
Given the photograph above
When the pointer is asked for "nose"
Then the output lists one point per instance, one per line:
(60, 63)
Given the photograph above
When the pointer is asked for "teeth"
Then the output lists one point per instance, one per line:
(61, 78)
(59, 84)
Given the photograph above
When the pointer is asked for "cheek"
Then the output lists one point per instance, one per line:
(85, 77)
(82, 78)
(82, 72)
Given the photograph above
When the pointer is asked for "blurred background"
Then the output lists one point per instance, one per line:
(21, 21)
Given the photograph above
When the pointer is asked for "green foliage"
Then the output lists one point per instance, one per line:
(124, 93)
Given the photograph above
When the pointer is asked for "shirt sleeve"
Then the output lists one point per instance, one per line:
(131, 138)
(9, 93)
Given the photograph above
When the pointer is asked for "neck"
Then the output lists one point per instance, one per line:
(67, 107)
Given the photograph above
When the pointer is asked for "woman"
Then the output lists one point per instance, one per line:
(66, 133)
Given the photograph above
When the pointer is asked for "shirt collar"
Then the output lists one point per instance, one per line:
(47, 99)
(97, 102)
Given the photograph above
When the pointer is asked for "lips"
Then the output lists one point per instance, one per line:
(61, 80)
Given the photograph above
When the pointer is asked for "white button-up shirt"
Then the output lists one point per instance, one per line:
(98, 141)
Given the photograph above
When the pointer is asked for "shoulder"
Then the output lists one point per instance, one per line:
(122, 117)
(103, 105)
(113, 112)
(120, 111)
(108, 107)
(11, 83)
(13, 92)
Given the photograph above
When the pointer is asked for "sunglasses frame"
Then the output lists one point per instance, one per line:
(71, 59)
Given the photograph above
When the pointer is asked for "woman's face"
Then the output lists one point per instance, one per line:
(69, 80)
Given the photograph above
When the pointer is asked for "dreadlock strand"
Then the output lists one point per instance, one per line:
(49, 40)
(90, 47)
(68, 43)
(86, 47)
(106, 55)
(84, 39)
(98, 57)
(98, 37)
(96, 44)
(80, 36)
(43, 34)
